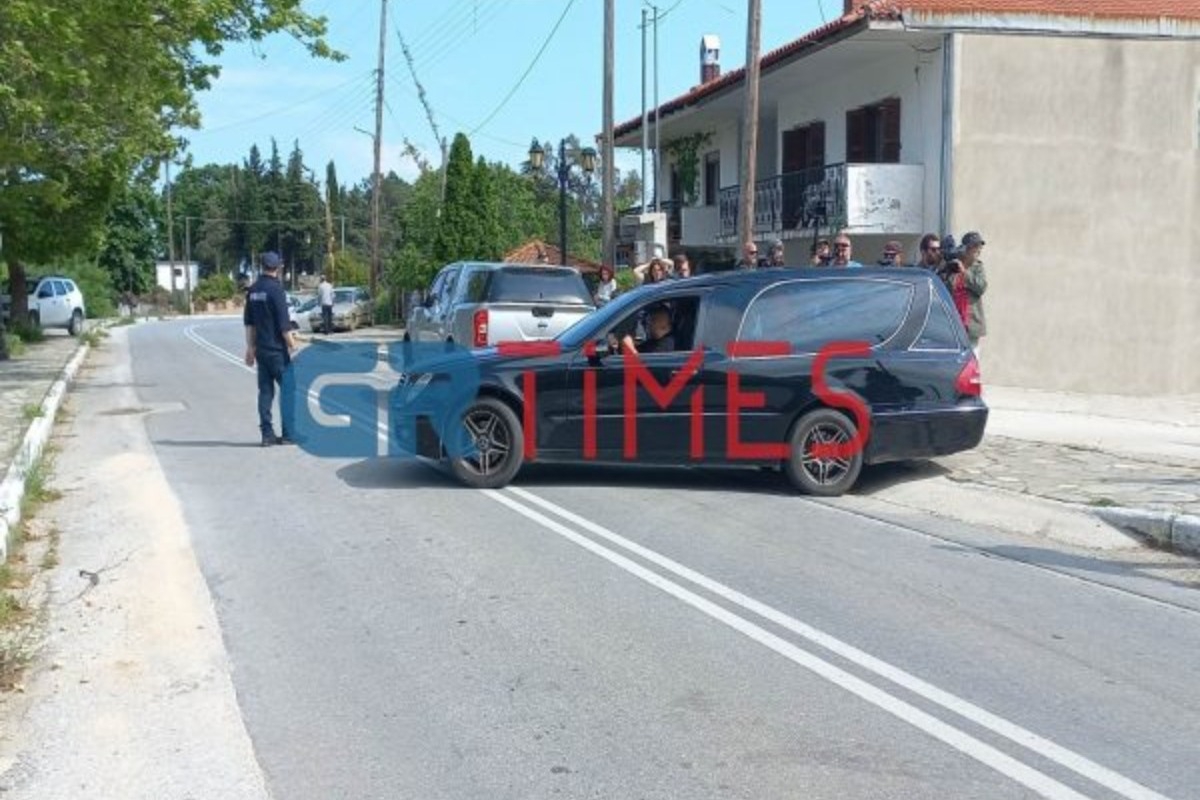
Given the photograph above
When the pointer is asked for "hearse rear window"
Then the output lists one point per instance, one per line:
(538, 284)
(940, 329)
(811, 314)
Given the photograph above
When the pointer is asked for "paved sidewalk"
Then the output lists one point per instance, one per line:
(24, 382)
(1133, 462)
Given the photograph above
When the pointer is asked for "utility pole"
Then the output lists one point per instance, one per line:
(170, 230)
(610, 254)
(645, 113)
(187, 263)
(656, 136)
(750, 125)
(377, 184)
(331, 269)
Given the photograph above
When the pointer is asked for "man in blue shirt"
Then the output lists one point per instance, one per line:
(842, 252)
(269, 344)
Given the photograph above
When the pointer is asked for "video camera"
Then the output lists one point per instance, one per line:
(951, 249)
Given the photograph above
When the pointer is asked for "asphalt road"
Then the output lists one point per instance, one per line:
(605, 633)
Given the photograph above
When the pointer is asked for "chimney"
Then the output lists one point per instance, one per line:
(710, 52)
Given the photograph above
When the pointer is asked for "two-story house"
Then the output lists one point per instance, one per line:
(1066, 131)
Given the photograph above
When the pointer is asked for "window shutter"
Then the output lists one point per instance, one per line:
(889, 112)
(856, 136)
(815, 151)
(793, 149)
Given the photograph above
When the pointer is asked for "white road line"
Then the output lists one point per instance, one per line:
(314, 394)
(1009, 730)
(1039, 745)
(967, 744)
(963, 742)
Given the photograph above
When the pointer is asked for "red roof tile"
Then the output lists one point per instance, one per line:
(893, 10)
(536, 251)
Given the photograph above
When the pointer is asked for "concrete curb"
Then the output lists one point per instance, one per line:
(12, 489)
(1024, 514)
(1177, 532)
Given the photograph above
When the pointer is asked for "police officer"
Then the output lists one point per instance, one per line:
(269, 343)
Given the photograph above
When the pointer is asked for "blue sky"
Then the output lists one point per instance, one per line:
(469, 56)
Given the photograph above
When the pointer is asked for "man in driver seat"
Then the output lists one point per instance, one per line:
(660, 337)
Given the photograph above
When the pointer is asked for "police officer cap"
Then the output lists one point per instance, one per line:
(271, 260)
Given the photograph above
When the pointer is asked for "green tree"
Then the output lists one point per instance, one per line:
(458, 229)
(131, 240)
(490, 242)
(90, 90)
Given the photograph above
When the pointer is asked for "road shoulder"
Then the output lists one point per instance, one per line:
(131, 694)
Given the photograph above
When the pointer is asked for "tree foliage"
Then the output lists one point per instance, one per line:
(90, 90)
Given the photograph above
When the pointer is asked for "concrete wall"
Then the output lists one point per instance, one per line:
(913, 75)
(1079, 161)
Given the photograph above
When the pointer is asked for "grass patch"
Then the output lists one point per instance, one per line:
(94, 337)
(16, 347)
(29, 333)
(122, 321)
(50, 557)
(37, 491)
(33, 550)
(1102, 502)
(31, 411)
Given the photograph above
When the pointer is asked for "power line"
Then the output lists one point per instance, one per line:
(437, 135)
(283, 109)
(460, 123)
(528, 70)
(675, 6)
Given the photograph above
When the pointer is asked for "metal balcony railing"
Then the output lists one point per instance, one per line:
(792, 201)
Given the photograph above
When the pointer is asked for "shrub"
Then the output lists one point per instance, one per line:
(215, 288)
(28, 333)
(99, 296)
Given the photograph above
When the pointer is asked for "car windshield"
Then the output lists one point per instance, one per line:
(539, 284)
(343, 296)
(593, 324)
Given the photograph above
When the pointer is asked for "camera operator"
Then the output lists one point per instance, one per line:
(963, 272)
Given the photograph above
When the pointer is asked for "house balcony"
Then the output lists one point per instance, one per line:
(858, 198)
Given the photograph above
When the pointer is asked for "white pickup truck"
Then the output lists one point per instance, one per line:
(479, 304)
(54, 302)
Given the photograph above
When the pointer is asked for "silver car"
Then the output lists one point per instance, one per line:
(352, 307)
(480, 304)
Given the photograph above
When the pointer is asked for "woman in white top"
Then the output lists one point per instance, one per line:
(607, 289)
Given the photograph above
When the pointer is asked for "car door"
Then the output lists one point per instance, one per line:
(54, 312)
(421, 326)
(655, 424)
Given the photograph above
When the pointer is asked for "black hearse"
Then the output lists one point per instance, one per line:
(816, 371)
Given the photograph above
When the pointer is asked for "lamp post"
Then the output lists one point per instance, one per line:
(586, 158)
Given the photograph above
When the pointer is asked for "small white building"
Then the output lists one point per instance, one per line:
(162, 275)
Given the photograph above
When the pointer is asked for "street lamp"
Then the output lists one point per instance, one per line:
(585, 157)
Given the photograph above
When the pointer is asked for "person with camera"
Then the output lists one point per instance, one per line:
(963, 273)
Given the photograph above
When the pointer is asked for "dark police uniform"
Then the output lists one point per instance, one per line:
(267, 312)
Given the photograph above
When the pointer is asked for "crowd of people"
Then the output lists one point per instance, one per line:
(958, 265)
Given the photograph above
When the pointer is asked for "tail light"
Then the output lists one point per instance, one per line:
(969, 383)
(479, 324)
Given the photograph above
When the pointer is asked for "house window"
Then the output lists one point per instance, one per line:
(873, 133)
(712, 178)
(804, 148)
